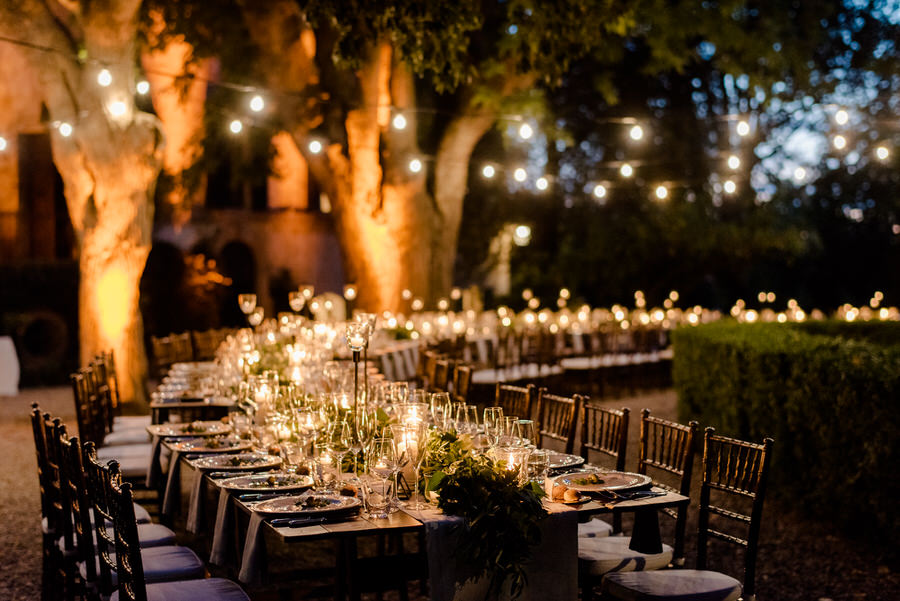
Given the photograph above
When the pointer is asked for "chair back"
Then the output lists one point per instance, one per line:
(40, 447)
(462, 379)
(129, 564)
(60, 510)
(89, 427)
(737, 470)
(667, 447)
(429, 366)
(99, 478)
(163, 354)
(556, 418)
(80, 506)
(205, 344)
(604, 431)
(105, 362)
(516, 400)
(101, 399)
(442, 371)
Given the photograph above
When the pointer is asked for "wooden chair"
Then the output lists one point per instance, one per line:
(442, 371)
(52, 525)
(205, 344)
(736, 471)
(462, 380)
(667, 448)
(557, 418)
(183, 347)
(516, 400)
(130, 561)
(604, 432)
(163, 352)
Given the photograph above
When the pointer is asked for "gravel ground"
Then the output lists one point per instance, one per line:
(800, 559)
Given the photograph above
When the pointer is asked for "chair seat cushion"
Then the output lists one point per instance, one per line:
(595, 528)
(598, 556)
(131, 421)
(143, 449)
(153, 535)
(133, 467)
(671, 585)
(128, 436)
(208, 589)
(164, 564)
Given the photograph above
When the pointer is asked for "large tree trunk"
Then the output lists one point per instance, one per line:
(108, 163)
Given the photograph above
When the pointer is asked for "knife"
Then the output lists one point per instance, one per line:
(297, 522)
(262, 496)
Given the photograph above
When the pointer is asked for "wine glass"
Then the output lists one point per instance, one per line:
(401, 392)
(412, 444)
(247, 303)
(508, 431)
(256, 316)
(438, 415)
(472, 419)
(526, 432)
(383, 466)
(341, 443)
(296, 300)
(366, 423)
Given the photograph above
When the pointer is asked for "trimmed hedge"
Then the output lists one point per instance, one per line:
(827, 394)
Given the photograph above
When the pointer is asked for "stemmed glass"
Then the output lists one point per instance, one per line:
(401, 392)
(471, 419)
(383, 465)
(296, 300)
(256, 316)
(508, 431)
(247, 303)
(526, 432)
(341, 443)
(364, 431)
(412, 444)
(442, 407)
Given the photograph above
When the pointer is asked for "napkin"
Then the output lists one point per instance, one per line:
(154, 470)
(196, 504)
(172, 495)
(254, 556)
(223, 530)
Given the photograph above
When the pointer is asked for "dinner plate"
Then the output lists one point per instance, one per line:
(594, 481)
(297, 505)
(240, 462)
(193, 429)
(209, 445)
(267, 482)
(560, 460)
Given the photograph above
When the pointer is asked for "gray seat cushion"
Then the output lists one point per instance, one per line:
(598, 556)
(128, 436)
(595, 528)
(209, 589)
(131, 421)
(120, 451)
(165, 564)
(153, 535)
(671, 585)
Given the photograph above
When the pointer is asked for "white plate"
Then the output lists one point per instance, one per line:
(209, 428)
(611, 480)
(242, 462)
(259, 482)
(289, 505)
(209, 445)
(560, 460)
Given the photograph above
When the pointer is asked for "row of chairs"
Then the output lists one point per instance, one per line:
(733, 470)
(98, 544)
(193, 345)
(441, 373)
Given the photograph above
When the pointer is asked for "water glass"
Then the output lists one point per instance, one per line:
(247, 303)
(526, 432)
(538, 465)
(492, 423)
(292, 456)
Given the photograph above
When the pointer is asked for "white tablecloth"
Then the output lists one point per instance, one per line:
(9, 367)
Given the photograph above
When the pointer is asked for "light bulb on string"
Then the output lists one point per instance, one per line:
(799, 174)
(841, 117)
(235, 126)
(662, 192)
(65, 130)
(541, 183)
(104, 78)
(315, 146)
(525, 131)
(520, 175)
(599, 191)
(399, 121)
(257, 103)
(636, 133)
(734, 162)
(142, 87)
(729, 186)
(839, 142)
(415, 165)
(626, 170)
(743, 128)
(117, 108)
(488, 171)
(882, 153)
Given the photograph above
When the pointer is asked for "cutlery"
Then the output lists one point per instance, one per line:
(297, 522)
(262, 496)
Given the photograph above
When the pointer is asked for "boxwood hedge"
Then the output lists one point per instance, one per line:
(827, 392)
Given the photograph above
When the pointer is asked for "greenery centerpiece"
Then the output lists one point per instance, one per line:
(501, 517)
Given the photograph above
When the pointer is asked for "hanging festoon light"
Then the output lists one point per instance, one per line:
(142, 87)
(626, 170)
(636, 133)
(729, 186)
(104, 78)
(315, 146)
(415, 165)
(236, 126)
(257, 103)
(662, 192)
(841, 117)
(65, 130)
(522, 235)
(117, 108)
(882, 152)
(541, 183)
(734, 162)
(599, 191)
(839, 142)
(799, 174)
(520, 175)
(488, 171)
(525, 131)
(743, 128)
(399, 121)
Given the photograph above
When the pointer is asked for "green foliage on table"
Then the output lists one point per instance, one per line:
(825, 391)
(501, 518)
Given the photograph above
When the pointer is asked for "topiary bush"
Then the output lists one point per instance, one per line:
(827, 392)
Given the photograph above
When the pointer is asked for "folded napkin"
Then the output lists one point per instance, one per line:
(223, 530)
(253, 560)
(195, 516)
(172, 494)
(154, 470)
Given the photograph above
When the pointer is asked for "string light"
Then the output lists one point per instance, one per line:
(143, 87)
(729, 186)
(839, 142)
(520, 175)
(117, 108)
(104, 78)
(488, 171)
(415, 165)
(525, 131)
(636, 133)
(799, 174)
(734, 162)
(743, 128)
(882, 152)
(399, 121)
(236, 126)
(541, 183)
(257, 103)
(599, 191)
(315, 146)
(841, 117)
(662, 192)
(626, 170)
(65, 130)
(2, 144)
(522, 235)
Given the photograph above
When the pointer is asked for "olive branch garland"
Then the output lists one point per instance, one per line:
(501, 518)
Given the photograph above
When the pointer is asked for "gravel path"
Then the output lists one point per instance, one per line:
(799, 559)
